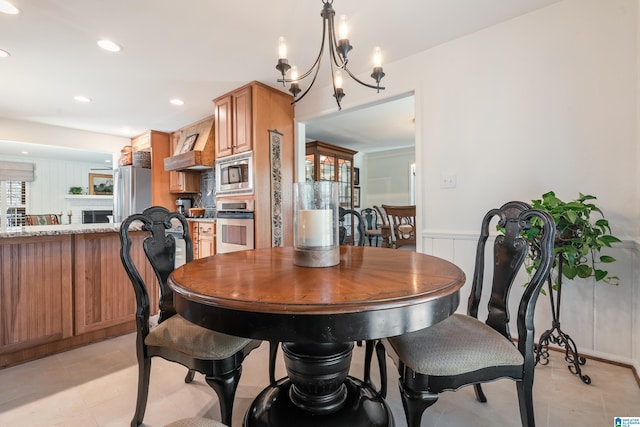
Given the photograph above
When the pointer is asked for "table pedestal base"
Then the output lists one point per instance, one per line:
(363, 407)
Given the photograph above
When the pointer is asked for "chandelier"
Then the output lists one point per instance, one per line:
(338, 51)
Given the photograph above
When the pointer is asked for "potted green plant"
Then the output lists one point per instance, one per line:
(581, 232)
(75, 190)
(579, 237)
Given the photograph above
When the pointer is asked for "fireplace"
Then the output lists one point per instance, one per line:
(96, 216)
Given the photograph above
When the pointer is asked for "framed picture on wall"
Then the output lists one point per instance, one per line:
(356, 176)
(356, 197)
(100, 184)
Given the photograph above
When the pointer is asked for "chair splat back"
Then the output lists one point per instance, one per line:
(509, 252)
(352, 230)
(160, 250)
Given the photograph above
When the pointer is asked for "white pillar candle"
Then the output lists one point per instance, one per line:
(315, 227)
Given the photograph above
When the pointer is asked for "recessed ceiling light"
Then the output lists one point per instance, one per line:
(6, 7)
(177, 101)
(25, 152)
(109, 45)
(81, 98)
(4, 54)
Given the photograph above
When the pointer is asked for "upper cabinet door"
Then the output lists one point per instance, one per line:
(242, 120)
(224, 127)
(234, 123)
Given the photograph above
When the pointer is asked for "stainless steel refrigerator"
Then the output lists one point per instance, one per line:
(131, 191)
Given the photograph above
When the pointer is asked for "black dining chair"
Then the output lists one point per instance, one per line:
(351, 227)
(218, 356)
(462, 350)
(372, 231)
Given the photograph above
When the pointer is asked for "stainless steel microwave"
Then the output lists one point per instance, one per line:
(234, 174)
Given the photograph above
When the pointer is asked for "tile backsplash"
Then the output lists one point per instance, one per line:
(208, 189)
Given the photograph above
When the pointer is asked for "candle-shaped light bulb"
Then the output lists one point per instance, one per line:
(377, 57)
(282, 48)
(343, 29)
(294, 74)
(338, 79)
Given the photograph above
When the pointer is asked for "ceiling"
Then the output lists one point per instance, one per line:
(200, 49)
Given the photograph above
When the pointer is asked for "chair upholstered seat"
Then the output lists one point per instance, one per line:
(195, 422)
(181, 335)
(457, 345)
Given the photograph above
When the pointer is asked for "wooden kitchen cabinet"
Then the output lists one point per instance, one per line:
(193, 233)
(36, 287)
(327, 162)
(233, 122)
(184, 182)
(206, 239)
(64, 291)
(104, 294)
(244, 121)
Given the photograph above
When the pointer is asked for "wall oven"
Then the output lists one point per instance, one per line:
(234, 175)
(234, 226)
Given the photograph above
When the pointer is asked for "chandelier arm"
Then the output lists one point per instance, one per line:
(361, 82)
(316, 64)
(308, 87)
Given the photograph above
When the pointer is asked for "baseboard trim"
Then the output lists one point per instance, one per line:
(634, 369)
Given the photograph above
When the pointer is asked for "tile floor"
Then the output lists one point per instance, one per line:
(96, 386)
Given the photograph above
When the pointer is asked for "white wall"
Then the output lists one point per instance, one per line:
(546, 101)
(49, 191)
(385, 177)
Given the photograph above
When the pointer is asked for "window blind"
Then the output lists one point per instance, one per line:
(16, 171)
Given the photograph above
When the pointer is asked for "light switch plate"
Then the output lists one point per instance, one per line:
(448, 181)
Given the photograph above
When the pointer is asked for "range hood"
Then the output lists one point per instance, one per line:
(194, 148)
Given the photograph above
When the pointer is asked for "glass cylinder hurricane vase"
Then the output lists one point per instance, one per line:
(315, 224)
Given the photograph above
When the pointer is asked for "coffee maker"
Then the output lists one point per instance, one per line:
(183, 205)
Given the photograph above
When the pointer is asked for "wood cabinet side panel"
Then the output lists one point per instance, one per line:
(35, 291)
(104, 294)
(272, 111)
(160, 179)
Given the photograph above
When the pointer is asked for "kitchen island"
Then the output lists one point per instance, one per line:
(63, 286)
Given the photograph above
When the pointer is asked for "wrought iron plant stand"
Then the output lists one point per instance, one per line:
(557, 336)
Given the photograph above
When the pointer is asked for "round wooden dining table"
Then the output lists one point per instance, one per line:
(317, 313)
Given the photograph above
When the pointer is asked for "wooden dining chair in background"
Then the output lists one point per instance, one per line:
(402, 223)
(385, 229)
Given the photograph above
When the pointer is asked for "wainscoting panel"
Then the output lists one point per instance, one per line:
(602, 319)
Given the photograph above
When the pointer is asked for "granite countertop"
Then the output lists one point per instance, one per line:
(202, 219)
(54, 230)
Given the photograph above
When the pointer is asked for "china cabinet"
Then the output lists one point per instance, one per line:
(327, 162)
